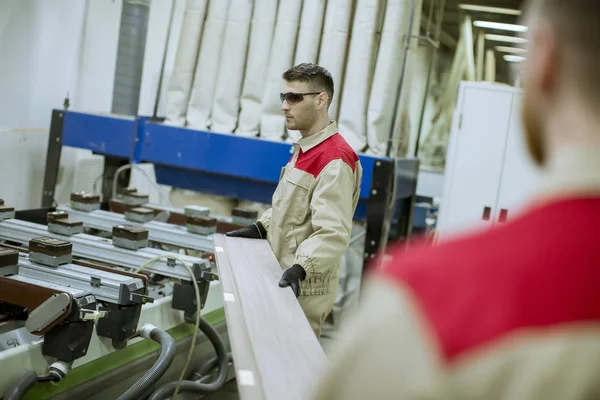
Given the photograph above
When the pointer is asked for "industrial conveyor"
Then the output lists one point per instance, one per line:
(226, 165)
(160, 232)
(101, 249)
(73, 290)
(120, 294)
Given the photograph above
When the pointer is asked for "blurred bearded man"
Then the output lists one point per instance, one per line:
(512, 312)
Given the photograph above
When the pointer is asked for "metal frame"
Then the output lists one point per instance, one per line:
(160, 232)
(192, 159)
(100, 249)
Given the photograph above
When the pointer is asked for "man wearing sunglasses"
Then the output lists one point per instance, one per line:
(310, 221)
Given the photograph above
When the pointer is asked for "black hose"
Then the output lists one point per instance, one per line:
(208, 366)
(48, 378)
(167, 354)
(21, 386)
(167, 390)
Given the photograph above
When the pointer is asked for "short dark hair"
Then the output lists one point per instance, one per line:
(318, 78)
(577, 28)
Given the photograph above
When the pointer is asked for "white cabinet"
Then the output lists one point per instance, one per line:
(489, 175)
(520, 177)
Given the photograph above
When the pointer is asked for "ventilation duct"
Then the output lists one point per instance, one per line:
(130, 56)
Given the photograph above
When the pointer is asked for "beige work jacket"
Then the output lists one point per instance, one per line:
(310, 220)
(507, 314)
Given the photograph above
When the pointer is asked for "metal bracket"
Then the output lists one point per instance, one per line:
(378, 207)
(119, 324)
(95, 281)
(184, 297)
(53, 157)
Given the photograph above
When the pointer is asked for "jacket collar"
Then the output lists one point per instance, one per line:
(307, 143)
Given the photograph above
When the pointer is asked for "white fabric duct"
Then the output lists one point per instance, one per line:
(358, 75)
(261, 36)
(309, 35)
(272, 121)
(411, 92)
(420, 68)
(384, 91)
(180, 84)
(226, 103)
(334, 44)
(309, 39)
(205, 76)
(162, 14)
(402, 118)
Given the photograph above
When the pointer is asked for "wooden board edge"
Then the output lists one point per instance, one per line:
(246, 371)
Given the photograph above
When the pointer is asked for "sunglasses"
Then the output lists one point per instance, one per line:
(293, 98)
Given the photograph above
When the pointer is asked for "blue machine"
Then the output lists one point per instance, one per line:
(227, 165)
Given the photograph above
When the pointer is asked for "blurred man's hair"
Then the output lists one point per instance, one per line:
(577, 25)
(318, 78)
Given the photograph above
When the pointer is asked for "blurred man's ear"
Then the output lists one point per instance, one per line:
(544, 57)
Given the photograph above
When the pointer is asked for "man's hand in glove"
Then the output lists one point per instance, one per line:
(292, 277)
(254, 231)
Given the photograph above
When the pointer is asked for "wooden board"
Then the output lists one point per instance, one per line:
(276, 354)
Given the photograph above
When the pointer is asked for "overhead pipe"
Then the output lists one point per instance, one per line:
(130, 56)
(467, 29)
(490, 66)
(434, 58)
(480, 62)
(446, 103)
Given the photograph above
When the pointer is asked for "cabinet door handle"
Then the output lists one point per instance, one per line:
(503, 215)
(487, 211)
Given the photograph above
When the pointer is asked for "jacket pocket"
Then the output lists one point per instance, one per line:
(294, 198)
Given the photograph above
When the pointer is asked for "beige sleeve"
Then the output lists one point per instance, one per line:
(332, 211)
(265, 219)
(381, 353)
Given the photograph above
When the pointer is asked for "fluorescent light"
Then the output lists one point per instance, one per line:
(511, 58)
(494, 10)
(500, 26)
(506, 49)
(502, 38)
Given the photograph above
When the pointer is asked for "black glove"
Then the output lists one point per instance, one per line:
(292, 277)
(254, 231)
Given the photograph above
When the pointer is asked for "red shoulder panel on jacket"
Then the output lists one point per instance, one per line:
(333, 148)
(540, 271)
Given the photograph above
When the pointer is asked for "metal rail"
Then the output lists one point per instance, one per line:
(100, 249)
